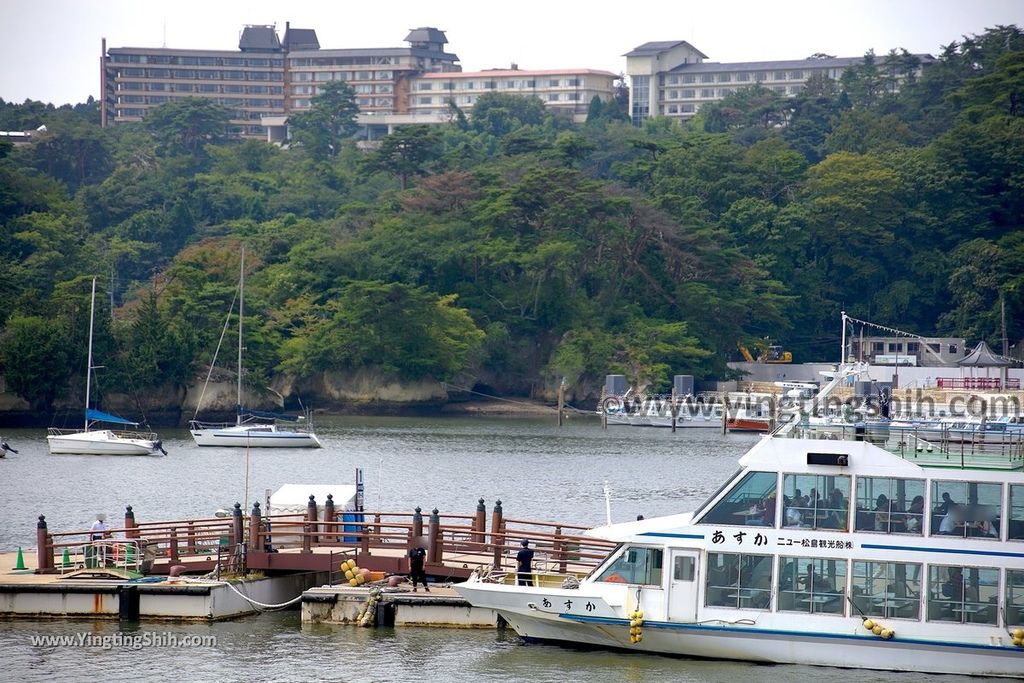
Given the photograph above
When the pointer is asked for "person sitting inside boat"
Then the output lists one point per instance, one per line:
(978, 522)
(766, 506)
(815, 582)
(882, 509)
(914, 515)
(952, 523)
(791, 516)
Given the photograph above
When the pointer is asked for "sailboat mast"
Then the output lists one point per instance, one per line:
(88, 368)
(241, 312)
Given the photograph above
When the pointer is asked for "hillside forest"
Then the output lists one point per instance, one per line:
(511, 248)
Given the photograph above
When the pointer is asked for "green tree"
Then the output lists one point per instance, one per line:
(330, 119)
(185, 126)
(35, 360)
(406, 152)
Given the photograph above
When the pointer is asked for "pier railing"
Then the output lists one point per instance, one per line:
(455, 544)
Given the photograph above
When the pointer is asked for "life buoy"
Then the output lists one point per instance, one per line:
(615, 578)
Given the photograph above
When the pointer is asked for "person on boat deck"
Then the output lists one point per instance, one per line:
(952, 520)
(947, 501)
(882, 508)
(524, 564)
(915, 513)
(416, 572)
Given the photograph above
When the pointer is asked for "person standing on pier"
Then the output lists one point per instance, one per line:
(97, 534)
(416, 557)
(524, 564)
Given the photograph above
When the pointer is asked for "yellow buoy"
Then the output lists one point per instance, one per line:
(353, 582)
(877, 630)
(1018, 633)
(887, 633)
(869, 624)
(639, 614)
(1018, 642)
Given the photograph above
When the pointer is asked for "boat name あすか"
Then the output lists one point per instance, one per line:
(759, 539)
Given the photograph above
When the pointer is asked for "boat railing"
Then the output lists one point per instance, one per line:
(926, 446)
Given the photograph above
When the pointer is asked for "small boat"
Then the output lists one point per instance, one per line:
(825, 548)
(252, 428)
(89, 441)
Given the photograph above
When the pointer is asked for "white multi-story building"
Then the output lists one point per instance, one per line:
(671, 78)
(565, 90)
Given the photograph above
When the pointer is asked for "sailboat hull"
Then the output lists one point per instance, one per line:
(102, 442)
(254, 436)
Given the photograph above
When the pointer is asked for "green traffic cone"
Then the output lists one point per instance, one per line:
(66, 559)
(129, 555)
(21, 560)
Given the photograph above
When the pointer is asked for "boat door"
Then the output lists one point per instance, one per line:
(683, 584)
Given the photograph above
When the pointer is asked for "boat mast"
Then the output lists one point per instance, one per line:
(241, 300)
(88, 369)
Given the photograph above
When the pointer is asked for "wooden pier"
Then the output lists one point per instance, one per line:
(288, 553)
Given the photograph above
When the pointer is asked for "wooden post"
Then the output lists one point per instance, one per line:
(311, 516)
(417, 523)
(44, 550)
(434, 538)
(559, 548)
(479, 522)
(725, 412)
(561, 400)
(497, 542)
(172, 550)
(330, 520)
(674, 410)
(604, 408)
(131, 529)
(190, 538)
(307, 536)
(376, 529)
(238, 529)
(255, 519)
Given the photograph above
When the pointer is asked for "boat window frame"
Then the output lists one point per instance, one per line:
(770, 495)
(997, 509)
(651, 570)
(714, 496)
(799, 562)
(1010, 519)
(933, 583)
(882, 610)
(1017, 606)
(903, 514)
(738, 586)
(814, 527)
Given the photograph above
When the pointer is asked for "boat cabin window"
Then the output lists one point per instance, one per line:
(1014, 597)
(890, 506)
(816, 501)
(965, 595)
(684, 568)
(636, 565)
(965, 508)
(751, 502)
(738, 581)
(887, 589)
(814, 585)
(1016, 528)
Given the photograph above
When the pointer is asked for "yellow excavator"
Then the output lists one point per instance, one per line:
(769, 354)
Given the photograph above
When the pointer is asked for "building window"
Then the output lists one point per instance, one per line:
(384, 75)
(489, 85)
(323, 76)
(750, 503)
(673, 109)
(673, 94)
(966, 508)
(687, 109)
(688, 94)
(707, 78)
(891, 506)
(636, 565)
(673, 80)
(724, 78)
(964, 595)
(953, 349)
(878, 347)
(689, 78)
(891, 590)
(424, 100)
(743, 76)
(572, 96)
(531, 84)
(796, 75)
(707, 92)
(912, 347)
(780, 75)
(553, 97)
(934, 347)
(364, 76)
(738, 581)
(573, 83)
(796, 89)
(816, 501)
(425, 86)
(813, 585)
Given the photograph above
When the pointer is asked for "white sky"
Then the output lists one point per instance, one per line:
(50, 49)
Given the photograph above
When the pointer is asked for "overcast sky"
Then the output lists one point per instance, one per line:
(50, 49)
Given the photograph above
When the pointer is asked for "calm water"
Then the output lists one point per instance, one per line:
(538, 471)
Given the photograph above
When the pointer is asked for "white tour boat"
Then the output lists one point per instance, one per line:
(826, 548)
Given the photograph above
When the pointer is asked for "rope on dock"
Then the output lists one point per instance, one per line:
(254, 603)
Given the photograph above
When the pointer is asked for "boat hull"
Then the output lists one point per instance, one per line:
(89, 444)
(254, 439)
(849, 646)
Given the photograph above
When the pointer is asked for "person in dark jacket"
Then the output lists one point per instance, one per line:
(524, 564)
(416, 557)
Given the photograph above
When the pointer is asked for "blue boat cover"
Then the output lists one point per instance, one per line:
(100, 416)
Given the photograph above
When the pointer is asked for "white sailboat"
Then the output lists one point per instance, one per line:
(91, 441)
(248, 431)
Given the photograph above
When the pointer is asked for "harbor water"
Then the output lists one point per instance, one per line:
(538, 471)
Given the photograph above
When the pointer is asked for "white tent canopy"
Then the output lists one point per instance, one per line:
(294, 498)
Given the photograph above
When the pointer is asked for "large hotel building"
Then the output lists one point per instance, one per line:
(268, 78)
